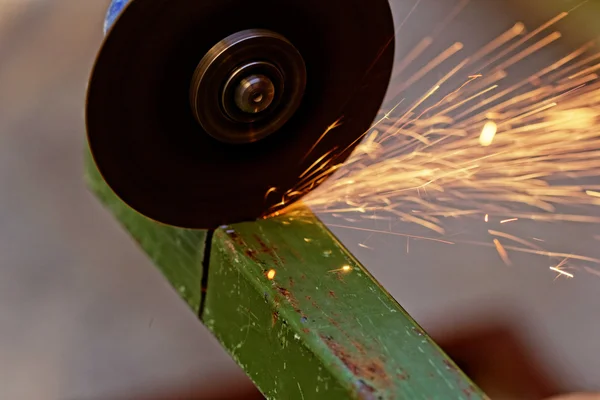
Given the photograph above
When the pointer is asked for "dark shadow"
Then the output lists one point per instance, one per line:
(499, 361)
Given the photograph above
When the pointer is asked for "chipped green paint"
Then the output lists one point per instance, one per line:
(323, 327)
(176, 252)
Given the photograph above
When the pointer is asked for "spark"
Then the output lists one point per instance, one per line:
(574, 66)
(441, 156)
(412, 10)
(271, 190)
(544, 253)
(461, 103)
(578, 5)
(592, 193)
(502, 252)
(525, 39)
(560, 271)
(271, 274)
(336, 124)
(389, 113)
(315, 164)
(449, 52)
(391, 233)
(513, 238)
(345, 268)
(488, 133)
(516, 30)
(412, 56)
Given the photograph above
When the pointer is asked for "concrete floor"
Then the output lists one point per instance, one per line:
(83, 314)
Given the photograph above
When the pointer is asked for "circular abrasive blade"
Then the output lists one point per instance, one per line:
(155, 155)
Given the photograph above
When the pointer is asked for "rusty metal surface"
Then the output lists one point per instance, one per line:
(305, 320)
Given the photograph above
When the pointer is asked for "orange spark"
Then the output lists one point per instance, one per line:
(271, 274)
(502, 252)
(345, 268)
(271, 190)
(391, 233)
(488, 133)
(592, 193)
(560, 271)
(337, 123)
(439, 155)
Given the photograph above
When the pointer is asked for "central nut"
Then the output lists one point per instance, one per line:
(258, 79)
(254, 94)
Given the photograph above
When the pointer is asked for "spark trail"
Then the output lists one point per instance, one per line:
(488, 149)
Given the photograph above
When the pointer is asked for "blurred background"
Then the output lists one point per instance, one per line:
(84, 315)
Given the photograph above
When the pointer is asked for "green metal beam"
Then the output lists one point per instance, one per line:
(322, 327)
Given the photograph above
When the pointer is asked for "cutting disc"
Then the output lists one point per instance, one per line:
(204, 113)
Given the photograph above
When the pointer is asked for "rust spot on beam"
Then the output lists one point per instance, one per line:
(270, 251)
(290, 299)
(369, 372)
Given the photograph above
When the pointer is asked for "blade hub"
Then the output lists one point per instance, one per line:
(257, 78)
(254, 94)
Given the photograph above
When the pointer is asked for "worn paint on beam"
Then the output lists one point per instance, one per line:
(322, 327)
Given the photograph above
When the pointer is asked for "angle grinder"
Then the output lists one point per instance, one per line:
(204, 113)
